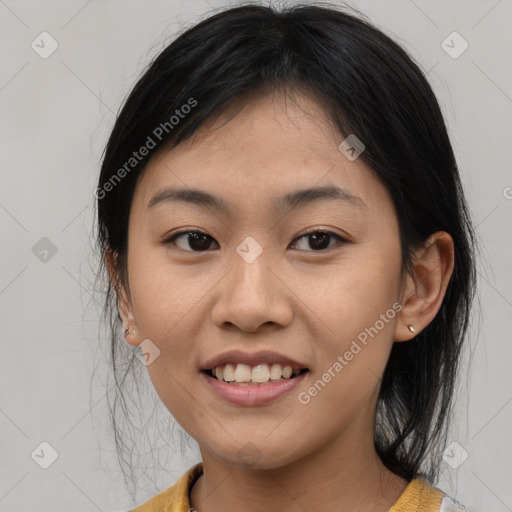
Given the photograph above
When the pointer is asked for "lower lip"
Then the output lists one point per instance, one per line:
(253, 394)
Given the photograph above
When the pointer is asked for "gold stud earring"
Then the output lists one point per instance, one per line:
(411, 328)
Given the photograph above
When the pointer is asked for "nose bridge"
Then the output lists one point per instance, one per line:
(250, 295)
(251, 282)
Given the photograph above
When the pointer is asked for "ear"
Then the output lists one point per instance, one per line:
(424, 290)
(123, 297)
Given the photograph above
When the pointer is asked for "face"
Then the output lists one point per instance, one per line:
(254, 278)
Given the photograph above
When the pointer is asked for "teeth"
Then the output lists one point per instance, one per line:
(229, 373)
(243, 373)
(275, 371)
(261, 373)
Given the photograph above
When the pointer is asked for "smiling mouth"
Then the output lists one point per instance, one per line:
(244, 374)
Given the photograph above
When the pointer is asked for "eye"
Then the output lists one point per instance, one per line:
(197, 241)
(319, 239)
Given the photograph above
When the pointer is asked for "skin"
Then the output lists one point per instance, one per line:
(307, 304)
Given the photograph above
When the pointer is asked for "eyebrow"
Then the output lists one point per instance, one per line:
(290, 201)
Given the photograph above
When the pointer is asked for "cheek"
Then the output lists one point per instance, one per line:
(167, 312)
(164, 294)
(353, 352)
(166, 307)
(362, 287)
(360, 311)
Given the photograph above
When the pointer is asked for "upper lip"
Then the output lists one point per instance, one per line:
(264, 356)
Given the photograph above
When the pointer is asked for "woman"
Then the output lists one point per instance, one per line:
(285, 231)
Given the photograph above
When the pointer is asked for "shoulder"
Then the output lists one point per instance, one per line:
(419, 495)
(176, 497)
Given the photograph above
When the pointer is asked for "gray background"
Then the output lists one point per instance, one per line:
(55, 116)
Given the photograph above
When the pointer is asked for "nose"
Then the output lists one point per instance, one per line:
(252, 295)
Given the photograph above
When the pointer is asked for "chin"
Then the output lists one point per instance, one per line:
(254, 454)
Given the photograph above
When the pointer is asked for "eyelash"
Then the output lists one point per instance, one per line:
(341, 240)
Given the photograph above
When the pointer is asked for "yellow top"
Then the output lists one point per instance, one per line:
(418, 496)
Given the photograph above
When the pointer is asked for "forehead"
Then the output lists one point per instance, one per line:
(260, 149)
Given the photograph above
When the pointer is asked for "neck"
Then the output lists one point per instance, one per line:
(345, 475)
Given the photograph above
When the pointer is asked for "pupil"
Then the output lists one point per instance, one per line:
(198, 241)
(319, 240)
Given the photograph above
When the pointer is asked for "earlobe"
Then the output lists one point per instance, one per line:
(424, 290)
